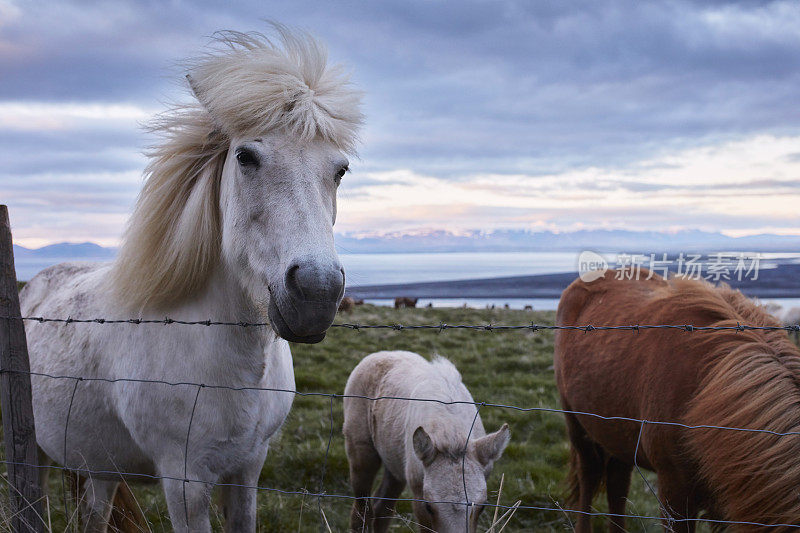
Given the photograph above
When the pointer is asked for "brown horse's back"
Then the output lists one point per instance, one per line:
(674, 376)
(624, 373)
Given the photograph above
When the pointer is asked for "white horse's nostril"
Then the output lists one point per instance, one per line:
(308, 280)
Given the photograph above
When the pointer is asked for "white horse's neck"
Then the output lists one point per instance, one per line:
(231, 354)
(223, 299)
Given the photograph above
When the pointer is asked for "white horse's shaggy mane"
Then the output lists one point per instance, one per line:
(247, 86)
(252, 86)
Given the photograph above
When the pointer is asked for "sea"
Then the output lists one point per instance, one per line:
(395, 268)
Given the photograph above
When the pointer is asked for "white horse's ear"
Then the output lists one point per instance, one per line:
(423, 446)
(489, 448)
(195, 89)
(198, 94)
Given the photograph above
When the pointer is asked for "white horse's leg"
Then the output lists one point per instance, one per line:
(240, 502)
(196, 501)
(96, 500)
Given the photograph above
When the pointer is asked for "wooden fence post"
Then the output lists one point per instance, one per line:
(15, 396)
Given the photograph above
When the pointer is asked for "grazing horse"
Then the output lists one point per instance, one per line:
(427, 445)
(234, 224)
(403, 301)
(346, 305)
(737, 379)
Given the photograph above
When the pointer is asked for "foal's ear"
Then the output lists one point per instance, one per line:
(423, 446)
(489, 448)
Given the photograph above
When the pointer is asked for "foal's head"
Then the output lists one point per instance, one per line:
(448, 474)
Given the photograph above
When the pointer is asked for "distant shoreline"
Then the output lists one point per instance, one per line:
(783, 281)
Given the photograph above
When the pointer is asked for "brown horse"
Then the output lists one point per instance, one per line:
(737, 379)
(346, 305)
(403, 301)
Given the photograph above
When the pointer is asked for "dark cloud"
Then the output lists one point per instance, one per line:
(451, 86)
(453, 89)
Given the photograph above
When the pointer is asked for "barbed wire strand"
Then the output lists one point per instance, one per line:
(401, 327)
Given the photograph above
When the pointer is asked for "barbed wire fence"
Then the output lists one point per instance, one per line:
(320, 493)
(21, 460)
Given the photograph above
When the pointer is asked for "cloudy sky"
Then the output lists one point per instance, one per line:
(543, 115)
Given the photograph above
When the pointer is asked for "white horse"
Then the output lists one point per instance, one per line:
(234, 223)
(439, 448)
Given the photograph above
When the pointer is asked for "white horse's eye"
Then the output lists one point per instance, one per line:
(246, 158)
(340, 174)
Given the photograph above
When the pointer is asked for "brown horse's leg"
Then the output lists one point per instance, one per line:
(587, 467)
(618, 481)
(677, 498)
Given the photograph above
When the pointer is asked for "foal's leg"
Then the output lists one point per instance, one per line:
(590, 467)
(618, 481)
(364, 464)
(386, 499)
(96, 499)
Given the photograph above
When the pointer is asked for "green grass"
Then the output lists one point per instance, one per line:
(512, 368)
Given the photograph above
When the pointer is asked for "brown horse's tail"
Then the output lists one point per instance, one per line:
(573, 480)
(752, 475)
(126, 514)
(572, 500)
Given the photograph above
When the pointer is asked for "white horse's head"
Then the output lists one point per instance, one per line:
(278, 206)
(245, 183)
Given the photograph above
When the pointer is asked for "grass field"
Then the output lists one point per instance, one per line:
(513, 368)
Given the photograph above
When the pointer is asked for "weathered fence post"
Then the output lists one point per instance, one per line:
(15, 395)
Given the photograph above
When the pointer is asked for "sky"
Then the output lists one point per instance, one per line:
(546, 115)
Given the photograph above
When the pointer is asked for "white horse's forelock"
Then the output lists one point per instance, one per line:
(247, 86)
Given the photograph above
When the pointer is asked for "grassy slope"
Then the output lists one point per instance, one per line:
(499, 367)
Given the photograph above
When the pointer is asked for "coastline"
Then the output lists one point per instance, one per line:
(782, 281)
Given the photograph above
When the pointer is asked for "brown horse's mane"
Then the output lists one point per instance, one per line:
(751, 380)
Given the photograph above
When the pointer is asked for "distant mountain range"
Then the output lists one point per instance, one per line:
(539, 241)
(423, 241)
(76, 251)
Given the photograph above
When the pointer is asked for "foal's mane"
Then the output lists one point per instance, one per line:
(447, 425)
(752, 381)
(246, 85)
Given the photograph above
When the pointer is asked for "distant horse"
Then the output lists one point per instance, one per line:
(738, 379)
(346, 305)
(405, 302)
(234, 224)
(423, 444)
